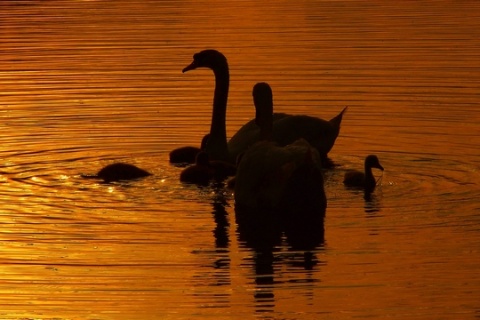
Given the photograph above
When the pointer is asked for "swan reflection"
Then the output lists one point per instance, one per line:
(268, 233)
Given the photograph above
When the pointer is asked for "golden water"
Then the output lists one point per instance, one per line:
(87, 83)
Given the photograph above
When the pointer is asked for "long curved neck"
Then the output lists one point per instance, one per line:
(217, 144)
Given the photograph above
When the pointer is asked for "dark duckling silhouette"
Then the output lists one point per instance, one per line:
(204, 170)
(363, 180)
(119, 171)
(187, 155)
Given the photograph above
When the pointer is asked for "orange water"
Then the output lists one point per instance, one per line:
(87, 83)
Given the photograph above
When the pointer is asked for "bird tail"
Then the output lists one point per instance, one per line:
(335, 121)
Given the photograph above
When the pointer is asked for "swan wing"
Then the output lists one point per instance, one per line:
(319, 133)
(287, 129)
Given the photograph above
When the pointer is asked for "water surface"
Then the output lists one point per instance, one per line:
(87, 83)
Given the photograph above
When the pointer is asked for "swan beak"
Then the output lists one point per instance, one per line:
(191, 66)
(380, 167)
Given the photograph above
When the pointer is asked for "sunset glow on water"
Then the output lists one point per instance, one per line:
(87, 83)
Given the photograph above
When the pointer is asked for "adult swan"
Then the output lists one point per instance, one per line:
(275, 177)
(286, 128)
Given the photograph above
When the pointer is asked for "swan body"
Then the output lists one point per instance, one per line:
(321, 134)
(186, 155)
(286, 128)
(119, 171)
(268, 174)
(363, 180)
(204, 170)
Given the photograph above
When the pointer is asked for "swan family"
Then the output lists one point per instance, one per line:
(269, 149)
(286, 128)
(273, 158)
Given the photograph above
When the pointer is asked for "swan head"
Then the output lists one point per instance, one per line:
(263, 100)
(372, 161)
(209, 58)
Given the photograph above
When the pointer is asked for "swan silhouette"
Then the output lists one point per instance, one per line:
(363, 180)
(204, 170)
(187, 155)
(119, 171)
(273, 176)
(286, 128)
(217, 147)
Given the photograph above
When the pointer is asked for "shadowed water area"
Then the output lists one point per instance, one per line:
(84, 84)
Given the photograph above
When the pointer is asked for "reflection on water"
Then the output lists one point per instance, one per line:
(269, 235)
(372, 204)
(84, 84)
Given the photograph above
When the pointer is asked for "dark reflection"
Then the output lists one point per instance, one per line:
(372, 203)
(266, 232)
(218, 273)
(220, 216)
(290, 236)
(264, 280)
(262, 232)
(221, 235)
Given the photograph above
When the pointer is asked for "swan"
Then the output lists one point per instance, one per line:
(119, 171)
(363, 180)
(204, 170)
(286, 128)
(217, 147)
(272, 176)
(186, 155)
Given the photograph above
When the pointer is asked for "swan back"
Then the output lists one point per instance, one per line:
(287, 128)
(121, 171)
(320, 133)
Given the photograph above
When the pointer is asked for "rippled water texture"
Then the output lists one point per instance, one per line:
(87, 83)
